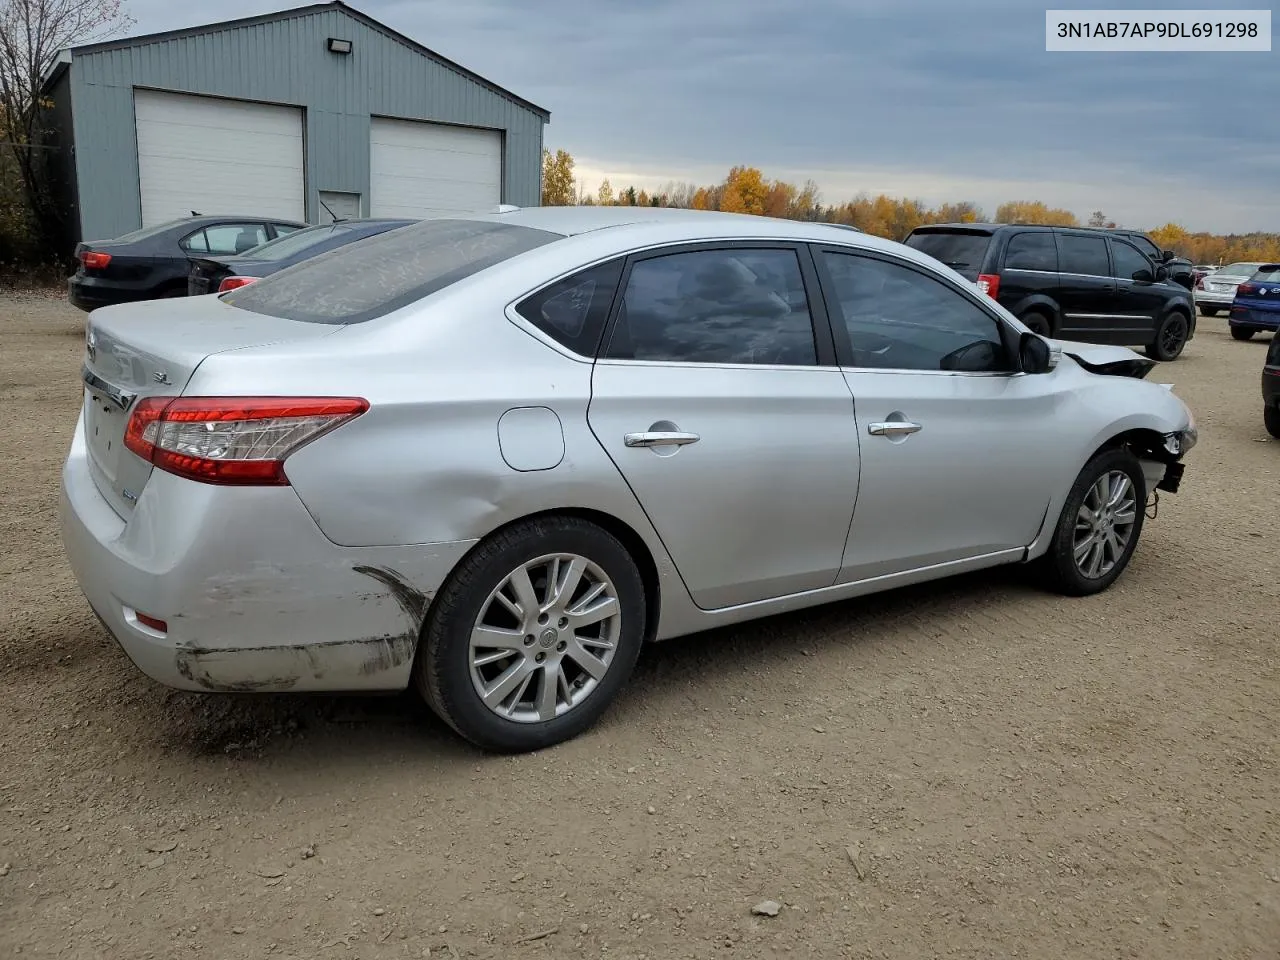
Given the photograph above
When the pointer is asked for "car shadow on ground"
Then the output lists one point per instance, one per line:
(254, 727)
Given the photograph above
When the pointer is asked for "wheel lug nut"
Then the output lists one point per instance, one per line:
(561, 645)
(543, 619)
(540, 657)
(528, 640)
(564, 622)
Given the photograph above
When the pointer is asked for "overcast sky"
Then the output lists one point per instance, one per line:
(936, 100)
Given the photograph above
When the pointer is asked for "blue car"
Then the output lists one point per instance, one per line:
(1257, 303)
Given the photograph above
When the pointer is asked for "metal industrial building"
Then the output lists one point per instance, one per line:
(273, 115)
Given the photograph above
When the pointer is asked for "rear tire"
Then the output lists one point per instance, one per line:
(547, 677)
(1038, 323)
(1208, 311)
(1271, 419)
(1242, 333)
(1099, 522)
(1171, 337)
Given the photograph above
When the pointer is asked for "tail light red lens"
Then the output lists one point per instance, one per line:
(234, 283)
(989, 283)
(1248, 289)
(1200, 282)
(232, 440)
(95, 261)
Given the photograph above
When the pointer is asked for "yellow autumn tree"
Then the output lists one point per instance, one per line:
(1033, 211)
(605, 196)
(744, 191)
(557, 179)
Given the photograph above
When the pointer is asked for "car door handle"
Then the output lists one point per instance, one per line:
(659, 439)
(893, 428)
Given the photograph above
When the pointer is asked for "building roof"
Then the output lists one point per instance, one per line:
(338, 5)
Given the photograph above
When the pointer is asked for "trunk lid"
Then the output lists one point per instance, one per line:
(152, 348)
(207, 272)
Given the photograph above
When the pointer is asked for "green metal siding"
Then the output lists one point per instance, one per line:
(285, 61)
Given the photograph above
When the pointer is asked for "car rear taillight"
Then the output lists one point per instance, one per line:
(1200, 282)
(233, 283)
(95, 261)
(989, 283)
(1248, 289)
(232, 440)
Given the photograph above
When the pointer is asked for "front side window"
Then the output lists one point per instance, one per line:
(1032, 251)
(738, 305)
(573, 311)
(1128, 260)
(900, 319)
(1083, 255)
(1147, 247)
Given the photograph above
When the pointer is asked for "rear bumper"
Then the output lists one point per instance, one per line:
(90, 293)
(1207, 298)
(1254, 319)
(253, 596)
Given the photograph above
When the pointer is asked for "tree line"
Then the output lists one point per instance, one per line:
(746, 190)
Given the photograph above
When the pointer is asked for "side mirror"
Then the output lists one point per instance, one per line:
(1144, 276)
(1033, 353)
(1162, 273)
(1168, 255)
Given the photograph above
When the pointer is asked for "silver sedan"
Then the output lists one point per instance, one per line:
(492, 456)
(1216, 291)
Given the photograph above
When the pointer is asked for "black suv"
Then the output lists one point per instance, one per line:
(1075, 283)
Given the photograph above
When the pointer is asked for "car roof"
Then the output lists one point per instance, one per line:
(993, 227)
(709, 224)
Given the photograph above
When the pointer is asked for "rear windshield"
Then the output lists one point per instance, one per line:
(291, 243)
(365, 280)
(1268, 271)
(1239, 269)
(151, 231)
(961, 250)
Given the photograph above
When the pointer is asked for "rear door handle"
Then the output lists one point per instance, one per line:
(893, 428)
(659, 439)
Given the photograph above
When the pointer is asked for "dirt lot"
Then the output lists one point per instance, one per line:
(970, 768)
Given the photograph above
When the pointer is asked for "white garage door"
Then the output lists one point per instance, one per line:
(432, 170)
(217, 156)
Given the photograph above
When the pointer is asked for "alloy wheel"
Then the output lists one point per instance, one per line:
(1104, 524)
(545, 638)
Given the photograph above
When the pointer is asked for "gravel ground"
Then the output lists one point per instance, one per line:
(971, 768)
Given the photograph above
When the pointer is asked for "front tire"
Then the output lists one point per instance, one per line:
(1171, 337)
(532, 637)
(1038, 323)
(1208, 311)
(1242, 333)
(1099, 527)
(1271, 420)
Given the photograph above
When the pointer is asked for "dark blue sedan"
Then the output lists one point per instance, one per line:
(1257, 303)
(219, 274)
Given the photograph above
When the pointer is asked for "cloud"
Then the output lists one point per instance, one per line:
(941, 100)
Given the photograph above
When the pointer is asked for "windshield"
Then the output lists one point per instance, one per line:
(954, 248)
(282, 247)
(364, 280)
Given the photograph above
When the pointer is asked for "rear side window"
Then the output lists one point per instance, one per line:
(1032, 251)
(1083, 255)
(958, 249)
(365, 280)
(740, 306)
(573, 311)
